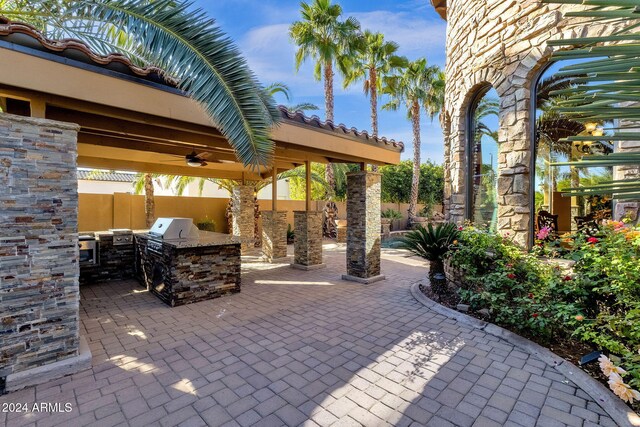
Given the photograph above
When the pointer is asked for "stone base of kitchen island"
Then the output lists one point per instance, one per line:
(181, 276)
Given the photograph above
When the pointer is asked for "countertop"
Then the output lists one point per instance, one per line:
(207, 238)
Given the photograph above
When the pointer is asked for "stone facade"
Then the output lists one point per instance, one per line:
(341, 234)
(180, 276)
(243, 219)
(308, 238)
(502, 44)
(115, 261)
(274, 234)
(39, 295)
(363, 219)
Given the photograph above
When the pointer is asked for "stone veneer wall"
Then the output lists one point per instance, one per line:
(274, 234)
(501, 43)
(308, 238)
(363, 224)
(39, 295)
(243, 219)
(115, 261)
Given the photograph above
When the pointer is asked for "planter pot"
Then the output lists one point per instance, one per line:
(419, 221)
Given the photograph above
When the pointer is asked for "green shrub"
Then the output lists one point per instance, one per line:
(432, 243)
(598, 303)
(391, 214)
(206, 224)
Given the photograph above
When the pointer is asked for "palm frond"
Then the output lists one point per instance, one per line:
(190, 47)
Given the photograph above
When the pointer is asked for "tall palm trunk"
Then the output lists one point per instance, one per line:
(373, 93)
(415, 181)
(149, 200)
(329, 225)
(328, 103)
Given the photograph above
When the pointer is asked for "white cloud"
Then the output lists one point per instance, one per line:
(415, 35)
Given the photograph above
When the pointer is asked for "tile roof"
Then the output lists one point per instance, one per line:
(90, 175)
(441, 7)
(315, 121)
(29, 36)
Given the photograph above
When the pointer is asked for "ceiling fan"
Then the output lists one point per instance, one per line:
(194, 159)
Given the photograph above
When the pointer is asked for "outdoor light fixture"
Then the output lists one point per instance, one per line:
(194, 163)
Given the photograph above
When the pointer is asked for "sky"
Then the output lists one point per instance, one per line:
(260, 29)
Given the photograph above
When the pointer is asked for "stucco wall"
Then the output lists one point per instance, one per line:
(503, 44)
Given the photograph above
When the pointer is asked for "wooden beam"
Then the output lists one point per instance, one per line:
(38, 108)
(132, 166)
(142, 144)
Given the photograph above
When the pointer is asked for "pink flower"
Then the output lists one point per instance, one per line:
(535, 315)
(567, 278)
(459, 228)
(511, 276)
(543, 233)
(592, 240)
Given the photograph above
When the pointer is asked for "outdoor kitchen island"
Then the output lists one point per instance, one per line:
(202, 266)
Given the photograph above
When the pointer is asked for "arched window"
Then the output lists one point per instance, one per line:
(482, 160)
(552, 146)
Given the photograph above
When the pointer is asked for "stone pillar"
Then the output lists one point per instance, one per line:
(363, 232)
(341, 232)
(243, 216)
(39, 293)
(308, 240)
(274, 234)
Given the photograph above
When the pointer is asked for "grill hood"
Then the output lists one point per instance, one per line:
(174, 229)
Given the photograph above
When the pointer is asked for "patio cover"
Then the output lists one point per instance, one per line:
(131, 118)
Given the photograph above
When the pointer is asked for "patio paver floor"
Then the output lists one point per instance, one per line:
(300, 348)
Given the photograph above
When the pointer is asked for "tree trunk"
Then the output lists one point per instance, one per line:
(415, 181)
(228, 214)
(328, 103)
(149, 201)
(256, 222)
(373, 93)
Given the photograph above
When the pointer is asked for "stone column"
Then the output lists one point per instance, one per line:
(39, 293)
(363, 232)
(274, 234)
(243, 216)
(308, 240)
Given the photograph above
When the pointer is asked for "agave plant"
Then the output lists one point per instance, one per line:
(184, 42)
(432, 243)
(607, 88)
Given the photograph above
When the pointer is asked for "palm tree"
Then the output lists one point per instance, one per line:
(279, 87)
(185, 43)
(374, 60)
(415, 88)
(144, 182)
(323, 37)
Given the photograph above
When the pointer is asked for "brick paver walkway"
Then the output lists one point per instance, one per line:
(300, 348)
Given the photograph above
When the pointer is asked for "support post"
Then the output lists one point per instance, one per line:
(242, 216)
(363, 231)
(307, 170)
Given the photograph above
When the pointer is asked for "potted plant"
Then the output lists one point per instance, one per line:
(388, 216)
(432, 243)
